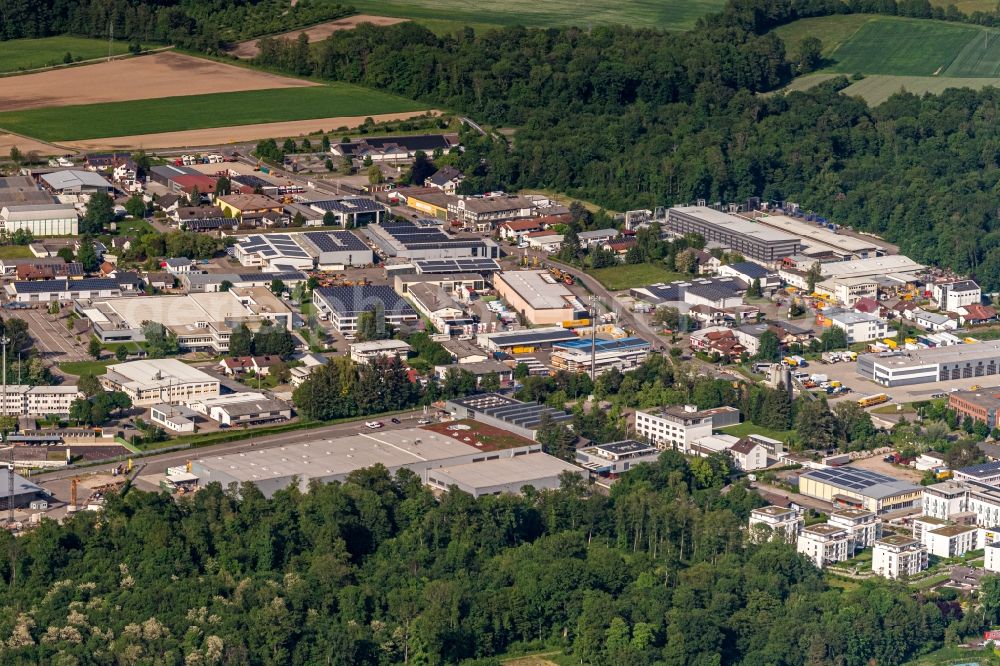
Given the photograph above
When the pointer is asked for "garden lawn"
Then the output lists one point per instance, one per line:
(15, 252)
(85, 367)
(191, 112)
(747, 428)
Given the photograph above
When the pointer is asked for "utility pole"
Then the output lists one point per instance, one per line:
(111, 38)
(4, 341)
(593, 338)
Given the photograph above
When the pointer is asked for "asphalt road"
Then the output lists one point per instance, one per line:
(57, 483)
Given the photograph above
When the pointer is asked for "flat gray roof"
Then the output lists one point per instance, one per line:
(735, 224)
(862, 481)
(979, 351)
(518, 470)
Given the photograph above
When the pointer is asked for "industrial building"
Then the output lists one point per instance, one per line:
(848, 291)
(242, 409)
(720, 292)
(450, 282)
(614, 458)
(75, 181)
(931, 365)
(420, 450)
(212, 282)
(525, 341)
(153, 381)
(345, 304)
(200, 320)
(352, 211)
(538, 296)
(523, 418)
(578, 355)
(819, 240)
(860, 488)
(365, 352)
(61, 289)
(985, 473)
(40, 219)
(336, 249)
(25, 492)
(896, 267)
(482, 265)
(751, 239)
(480, 369)
(983, 404)
(410, 240)
(506, 475)
(438, 306)
(484, 213)
(273, 251)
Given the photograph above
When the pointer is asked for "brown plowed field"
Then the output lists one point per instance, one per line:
(316, 33)
(25, 145)
(223, 135)
(145, 77)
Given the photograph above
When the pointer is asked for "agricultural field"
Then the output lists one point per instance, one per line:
(831, 30)
(877, 88)
(191, 112)
(667, 14)
(905, 47)
(21, 54)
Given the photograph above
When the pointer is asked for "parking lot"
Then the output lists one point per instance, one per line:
(52, 338)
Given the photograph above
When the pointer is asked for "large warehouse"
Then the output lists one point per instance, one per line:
(333, 249)
(427, 241)
(345, 304)
(860, 488)
(25, 492)
(421, 450)
(538, 296)
(40, 219)
(273, 251)
(499, 411)
(752, 240)
(352, 211)
(818, 240)
(931, 365)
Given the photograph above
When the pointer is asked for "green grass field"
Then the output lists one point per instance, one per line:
(832, 30)
(877, 88)
(635, 275)
(85, 367)
(904, 47)
(667, 14)
(170, 114)
(21, 54)
(15, 252)
(747, 428)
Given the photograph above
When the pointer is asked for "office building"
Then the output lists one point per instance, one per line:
(679, 427)
(898, 556)
(775, 522)
(579, 355)
(750, 239)
(983, 405)
(351, 211)
(848, 291)
(211, 282)
(853, 487)
(824, 544)
(343, 305)
(859, 326)
(61, 289)
(364, 352)
(23, 400)
(950, 296)
(931, 365)
(154, 381)
(820, 240)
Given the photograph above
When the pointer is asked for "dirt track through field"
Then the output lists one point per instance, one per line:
(145, 77)
(26, 145)
(218, 136)
(316, 33)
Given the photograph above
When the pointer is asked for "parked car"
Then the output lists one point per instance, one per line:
(374, 425)
(394, 420)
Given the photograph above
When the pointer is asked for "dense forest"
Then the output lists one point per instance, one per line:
(638, 118)
(377, 571)
(201, 24)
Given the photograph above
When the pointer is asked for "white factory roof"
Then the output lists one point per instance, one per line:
(519, 470)
(375, 346)
(850, 317)
(319, 458)
(813, 234)
(896, 263)
(540, 293)
(61, 180)
(946, 354)
(151, 373)
(37, 212)
(187, 310)
(736, 224)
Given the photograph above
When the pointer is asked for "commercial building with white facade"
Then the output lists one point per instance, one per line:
(956, 294)
(345, 304)
(149, 382)
(751, 239)
(985, 473)
(931, 365)
(898, 556)
(61, 289)
(860, 326)
(364, 352)
(24, 400)
(854, 487)
(848, 291)
(679, 427)
(781, 522)
(40, 219)
(824, 544)
(616, 458)
(503, 476)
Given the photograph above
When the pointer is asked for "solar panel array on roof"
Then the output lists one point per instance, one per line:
(351, 301)
(334, 241)
(527, 338)
(211, 223)
(603, 345)
(48, 286)
(349, 205)
(982, 470)
(281, 275)
(273, 245)
(523, 414)
(470, 265)
(416, 237)
(252, 181)
(851, 478)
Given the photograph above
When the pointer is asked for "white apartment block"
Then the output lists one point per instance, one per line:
(898, 556)
(950, 540)
(863, 527)
(23, 400)
(784, 524)
(992, 561)
(859, 326)
(954, 500)
(824, 544)
(673, 427)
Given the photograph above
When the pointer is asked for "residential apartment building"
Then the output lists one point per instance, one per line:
(859, 326)
(863, 527)
(898, 556)
(673, 427)
(781, 523)
(950, 540)
(23, 400)
(992, 560)
(824, 544)
(944, 500)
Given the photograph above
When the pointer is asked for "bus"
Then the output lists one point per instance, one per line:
(872, 400)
